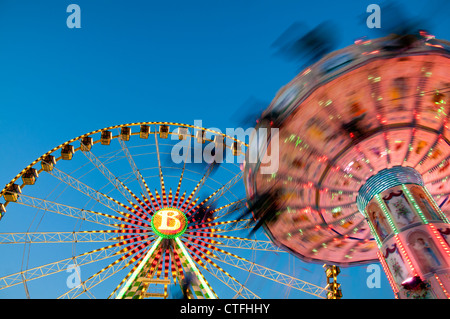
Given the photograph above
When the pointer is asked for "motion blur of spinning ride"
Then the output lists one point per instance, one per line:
(364, 162)
(124, 212)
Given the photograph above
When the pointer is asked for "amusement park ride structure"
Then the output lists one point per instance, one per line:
(364, 157)
(364, 143)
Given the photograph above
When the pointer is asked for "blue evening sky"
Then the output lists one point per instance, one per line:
(175, 61)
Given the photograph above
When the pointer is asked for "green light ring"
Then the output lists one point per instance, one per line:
(170, 236)
(384, 180)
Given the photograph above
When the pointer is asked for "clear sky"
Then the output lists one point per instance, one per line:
(175, 61)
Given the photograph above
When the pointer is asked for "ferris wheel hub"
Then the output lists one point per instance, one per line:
(169, 222)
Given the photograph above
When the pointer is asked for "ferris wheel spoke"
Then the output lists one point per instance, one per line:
(221, 274)
(99, 197)
(119, 185)
(211, 199)
(267, 273)
(84, 287)
(218, 212)
(188, 204)
(58, 237)
(199, 185)
(223, 189)
(127, 178)
(58, 266)
(142, 183)
(192, 209)
(227, 225)
(129, 254)
(244, 264)
(161, 176)
(73, 212)
(233, 226)
(104, 273)
(86, 190)
(111, 157)
(229, 208)
(245, 243)
(116, 182)
(232, 242)
(177, 193)
(77, 213)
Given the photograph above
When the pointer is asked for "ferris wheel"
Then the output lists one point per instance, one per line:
(128, 212)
